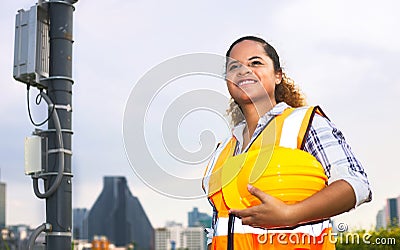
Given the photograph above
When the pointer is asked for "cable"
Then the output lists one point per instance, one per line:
(42, 228)
(37, 103)
(60, 172)
(231, 226)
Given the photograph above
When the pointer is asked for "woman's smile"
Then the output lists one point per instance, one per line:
(245, 82)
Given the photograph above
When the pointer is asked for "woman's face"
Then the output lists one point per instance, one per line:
(250, 74)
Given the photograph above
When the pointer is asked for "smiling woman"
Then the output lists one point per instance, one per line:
(285, 170)
(284, 91)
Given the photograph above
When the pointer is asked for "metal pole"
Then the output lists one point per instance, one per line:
(59, 205)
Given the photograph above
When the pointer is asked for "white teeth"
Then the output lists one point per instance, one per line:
(241, 83)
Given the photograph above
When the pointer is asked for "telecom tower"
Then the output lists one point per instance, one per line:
(43, 60)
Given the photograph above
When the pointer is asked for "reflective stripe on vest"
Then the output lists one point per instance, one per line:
(291, 128)
(275, 241)
(314, 230)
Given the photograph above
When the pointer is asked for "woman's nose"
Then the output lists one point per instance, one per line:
(244, 71)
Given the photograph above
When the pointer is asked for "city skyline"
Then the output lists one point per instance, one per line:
(381, 214)
(389, 215)
(345, 65)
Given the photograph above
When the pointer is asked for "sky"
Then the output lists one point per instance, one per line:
(343, 54)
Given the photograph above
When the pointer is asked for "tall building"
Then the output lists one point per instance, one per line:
(179, 237)
(398, 210)
(381, 220)
(79, 223)
(162, 239)
(119, 216)
(392, 212)
(2, 205)
(197, 219)
(194, 238)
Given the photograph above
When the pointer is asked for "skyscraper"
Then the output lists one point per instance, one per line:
(2, 205)
(202, 220)
(381, 220)
(392, 212)
(197, 219)
(389, 216)
(79, 223)
(119, 216)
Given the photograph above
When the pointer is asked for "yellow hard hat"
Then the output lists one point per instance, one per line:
(290, 175)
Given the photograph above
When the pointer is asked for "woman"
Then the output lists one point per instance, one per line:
(262, 99)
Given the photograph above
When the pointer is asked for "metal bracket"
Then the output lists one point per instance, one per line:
(60, 234)
(58, 150)
(57, 78)
(53, 130)
(54, 173)
(48, 227)
(67, 107)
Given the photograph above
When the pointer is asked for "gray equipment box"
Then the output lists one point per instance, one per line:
(32, 46)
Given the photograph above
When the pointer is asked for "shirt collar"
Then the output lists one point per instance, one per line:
(237, 131)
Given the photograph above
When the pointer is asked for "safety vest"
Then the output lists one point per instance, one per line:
(275, 164)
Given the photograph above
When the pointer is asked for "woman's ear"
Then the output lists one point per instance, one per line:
(278, 76)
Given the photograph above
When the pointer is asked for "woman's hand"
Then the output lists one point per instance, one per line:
(272, 212)
(336, 198)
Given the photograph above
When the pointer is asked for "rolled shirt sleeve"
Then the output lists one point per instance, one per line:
(326, 143)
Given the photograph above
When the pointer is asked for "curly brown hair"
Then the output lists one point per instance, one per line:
(286, 91)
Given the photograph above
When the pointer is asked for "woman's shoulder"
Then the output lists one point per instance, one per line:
(316, 115)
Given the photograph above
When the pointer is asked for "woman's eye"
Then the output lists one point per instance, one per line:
(233, 67)
(256, 63)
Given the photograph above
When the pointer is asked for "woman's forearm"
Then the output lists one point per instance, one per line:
(335, 199)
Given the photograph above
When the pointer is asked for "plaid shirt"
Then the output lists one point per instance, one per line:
(327, 144)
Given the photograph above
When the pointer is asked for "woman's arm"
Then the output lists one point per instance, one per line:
(334, 199)
(348, 184)
(328, 145)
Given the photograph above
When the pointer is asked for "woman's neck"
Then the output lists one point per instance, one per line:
(252, 114)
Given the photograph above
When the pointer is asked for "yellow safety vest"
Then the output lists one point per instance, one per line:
(275, 164)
